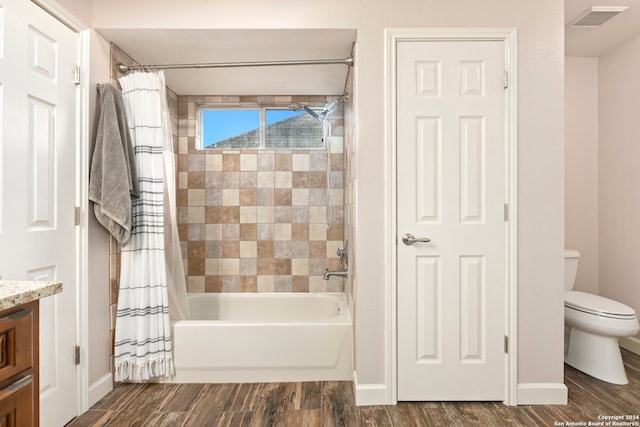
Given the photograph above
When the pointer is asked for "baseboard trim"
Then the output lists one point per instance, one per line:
(630, 343)
(528, 394)
(100, 389)
(370, 394)
(542, 394)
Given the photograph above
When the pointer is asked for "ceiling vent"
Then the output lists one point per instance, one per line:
(596, 16)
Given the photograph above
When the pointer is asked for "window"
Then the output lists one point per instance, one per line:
(259, 128)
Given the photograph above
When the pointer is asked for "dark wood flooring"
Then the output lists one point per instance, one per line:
(332, 404)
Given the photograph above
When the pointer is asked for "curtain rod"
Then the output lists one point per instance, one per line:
(124, 68)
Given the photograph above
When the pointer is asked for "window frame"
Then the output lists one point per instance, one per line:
(262, 109)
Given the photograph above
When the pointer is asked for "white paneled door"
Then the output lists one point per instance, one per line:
(451, 190)
(37, 185)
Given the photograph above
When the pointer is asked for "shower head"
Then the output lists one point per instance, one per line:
(298, 107)
(328, 108)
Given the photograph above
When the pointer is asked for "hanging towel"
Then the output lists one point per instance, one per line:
(113, 179)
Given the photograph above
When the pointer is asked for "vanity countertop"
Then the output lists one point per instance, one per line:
(13, 293)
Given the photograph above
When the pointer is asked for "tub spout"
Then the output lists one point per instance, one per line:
(341, 273)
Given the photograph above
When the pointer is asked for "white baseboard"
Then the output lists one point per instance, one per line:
(542, 394)
(630, 343)
(528, 394)
(370, 394)
(100, 389)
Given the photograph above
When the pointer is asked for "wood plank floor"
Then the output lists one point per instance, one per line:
(332, 404)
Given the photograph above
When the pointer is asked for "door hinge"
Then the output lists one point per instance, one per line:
(76, 75)
(506, 79)
(506, 212)
(76, 215)
(506, 344)
(77, 355)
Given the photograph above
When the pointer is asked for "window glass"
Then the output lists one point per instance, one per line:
(292, 129)
(231, 128)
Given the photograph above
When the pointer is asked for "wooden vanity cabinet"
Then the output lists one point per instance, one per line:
(19, 345)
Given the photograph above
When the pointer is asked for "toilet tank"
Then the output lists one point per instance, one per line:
(571, 258)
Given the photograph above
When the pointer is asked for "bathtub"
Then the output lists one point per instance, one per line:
(264, 337)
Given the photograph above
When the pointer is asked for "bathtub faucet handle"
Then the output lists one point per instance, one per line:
(343, 254)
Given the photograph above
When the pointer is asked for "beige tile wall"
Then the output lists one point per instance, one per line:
(350, 184)
(253, 220)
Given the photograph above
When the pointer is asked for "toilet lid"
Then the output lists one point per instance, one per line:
(598, 305)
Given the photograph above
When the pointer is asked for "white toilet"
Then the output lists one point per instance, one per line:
(594, 325)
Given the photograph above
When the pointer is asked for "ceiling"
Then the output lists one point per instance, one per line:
(188, 46)
(597, 41)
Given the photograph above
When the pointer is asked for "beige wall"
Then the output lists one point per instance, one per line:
(540, 126)
(81, 9)
(541, 153)
(350, 184)
(98, 238)
(540, 109)
(581, 167)
(619, 174)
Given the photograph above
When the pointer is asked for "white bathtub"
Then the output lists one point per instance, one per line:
(264, 338)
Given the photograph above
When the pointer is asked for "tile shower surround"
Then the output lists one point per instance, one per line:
(253, 220)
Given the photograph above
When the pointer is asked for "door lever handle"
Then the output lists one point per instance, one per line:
(409, 239)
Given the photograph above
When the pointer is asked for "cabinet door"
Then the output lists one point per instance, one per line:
(16, 349)
(16, 404)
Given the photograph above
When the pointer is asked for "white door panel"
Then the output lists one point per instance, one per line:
(451, 189)
(37, 185)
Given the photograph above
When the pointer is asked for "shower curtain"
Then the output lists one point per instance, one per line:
(143, 347)
(176, 278)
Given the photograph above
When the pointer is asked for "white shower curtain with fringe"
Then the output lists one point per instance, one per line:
(143, 347)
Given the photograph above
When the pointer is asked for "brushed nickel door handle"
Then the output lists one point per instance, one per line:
(409, 239)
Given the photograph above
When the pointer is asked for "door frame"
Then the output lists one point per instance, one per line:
(81, 145)
(508, 36)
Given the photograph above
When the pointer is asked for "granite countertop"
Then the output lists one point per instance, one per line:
(13, 293)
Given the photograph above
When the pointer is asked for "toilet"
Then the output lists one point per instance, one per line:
(593, 325)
